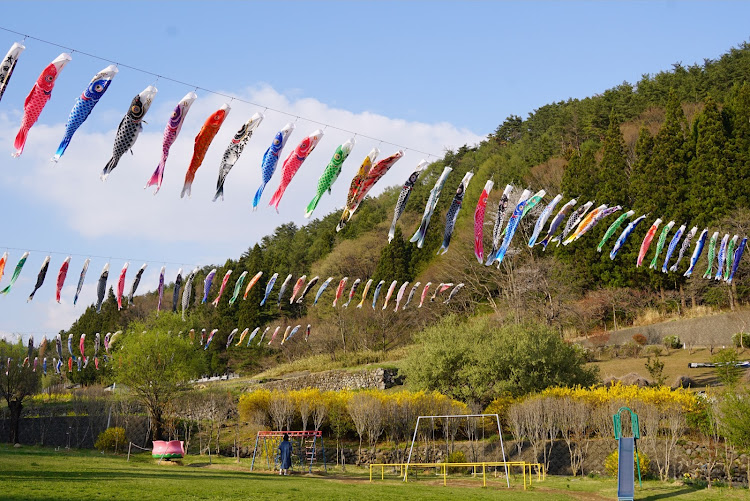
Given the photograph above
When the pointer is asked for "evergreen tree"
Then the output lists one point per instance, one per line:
(738, 182)
(613, 169)
(581, 175)
(641, 175)
(709, 168)
(394, 261)
(670, 186)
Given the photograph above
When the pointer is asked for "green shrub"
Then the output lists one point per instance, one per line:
(741, 339)
(672, 342)
(611, 463)
(111, 439)
(456, 457)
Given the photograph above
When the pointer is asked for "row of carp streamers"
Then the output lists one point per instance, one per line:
(132, 124)
(581, 221)
(82, 362)
(57, 362)
(300, 290)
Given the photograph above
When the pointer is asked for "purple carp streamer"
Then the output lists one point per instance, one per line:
(555, 224)
(737, 257)
(171, 131)
(207, 285)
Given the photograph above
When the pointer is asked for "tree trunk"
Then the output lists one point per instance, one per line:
(682, 298)
(157, 428)
(15, 407)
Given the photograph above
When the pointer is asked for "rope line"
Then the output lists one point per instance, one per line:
(209, 91)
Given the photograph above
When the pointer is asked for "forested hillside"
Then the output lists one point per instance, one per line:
(675, 145)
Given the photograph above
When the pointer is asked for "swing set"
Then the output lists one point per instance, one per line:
(305, 450)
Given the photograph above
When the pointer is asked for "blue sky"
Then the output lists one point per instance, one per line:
(428, 75)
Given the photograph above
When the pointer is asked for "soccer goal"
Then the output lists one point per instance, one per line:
(450, 425)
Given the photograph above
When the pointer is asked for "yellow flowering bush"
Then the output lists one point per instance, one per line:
(658, 395)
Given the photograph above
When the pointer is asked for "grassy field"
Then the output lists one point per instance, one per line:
(675, 365)
(32, 473)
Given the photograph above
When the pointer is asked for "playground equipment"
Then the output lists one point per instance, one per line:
(304, 448)
(461, 416)
(174, 449)
(626, 447)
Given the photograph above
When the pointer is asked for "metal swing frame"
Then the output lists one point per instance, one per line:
(499, 433)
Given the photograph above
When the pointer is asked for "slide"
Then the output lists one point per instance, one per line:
(625, 469)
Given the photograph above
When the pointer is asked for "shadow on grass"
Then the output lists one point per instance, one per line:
(69, 476)
(684, 490)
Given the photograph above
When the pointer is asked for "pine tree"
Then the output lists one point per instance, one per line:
(581, 175)
(613, 169)
(394, 261)
(709, 168)
(669, 161)
(738, 182)
(639, 186)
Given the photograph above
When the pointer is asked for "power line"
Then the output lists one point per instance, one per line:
(217, 93)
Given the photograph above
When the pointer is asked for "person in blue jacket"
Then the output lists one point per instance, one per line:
(285, 452)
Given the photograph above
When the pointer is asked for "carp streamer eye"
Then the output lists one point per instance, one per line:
(98, 87)
(49, 78)
(135, 109)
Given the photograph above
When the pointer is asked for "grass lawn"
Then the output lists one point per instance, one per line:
(675, 365)
(31, 473)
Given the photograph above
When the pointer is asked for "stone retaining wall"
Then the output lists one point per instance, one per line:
(335, 380)
(713, 330)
